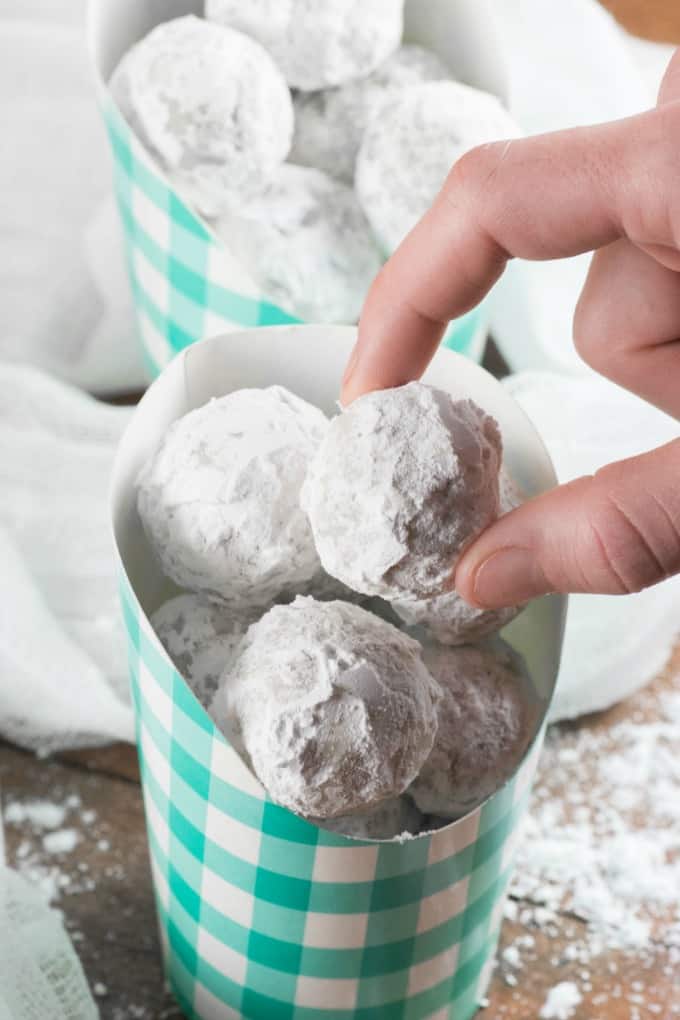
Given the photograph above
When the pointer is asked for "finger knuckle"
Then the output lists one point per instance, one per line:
(476, 169)
(624, 554)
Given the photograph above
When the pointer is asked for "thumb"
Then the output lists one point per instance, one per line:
(614, 532)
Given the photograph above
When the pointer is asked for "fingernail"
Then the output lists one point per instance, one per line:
(508, 577)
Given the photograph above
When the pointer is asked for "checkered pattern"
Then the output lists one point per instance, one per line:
(264, 915)
(186, 285)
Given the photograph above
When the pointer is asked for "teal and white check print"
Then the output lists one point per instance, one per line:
(263, 915)
(186, 285)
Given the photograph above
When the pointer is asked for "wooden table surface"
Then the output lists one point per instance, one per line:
(108, 905)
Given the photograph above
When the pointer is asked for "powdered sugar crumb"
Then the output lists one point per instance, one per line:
(38, 814)
(63, 841)
(561, 1002)
(50, 831)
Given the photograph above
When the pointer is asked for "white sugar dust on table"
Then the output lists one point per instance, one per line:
(50, 829)
(596, 895)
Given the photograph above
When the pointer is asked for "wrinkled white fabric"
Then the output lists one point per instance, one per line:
(64, 297)
(613, 645)
(40, 975)
(61, 636)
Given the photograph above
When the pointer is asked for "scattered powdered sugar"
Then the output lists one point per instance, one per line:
(561, 1002)
(39, 814)
(42, 854)
(609, 852)
(63, 841)
(598, 869)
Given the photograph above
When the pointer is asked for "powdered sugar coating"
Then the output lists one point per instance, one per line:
(333, 706)
(219, 499)
(210, 105)
(448, 618)
(392, 818)
(330, 124)
(317, 45)
(402, 481)
(201, 638)
(483, 728)
(408, 150)
(307, 244)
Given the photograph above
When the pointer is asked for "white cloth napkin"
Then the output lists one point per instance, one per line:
(613, 645)
(64, 297)
(63, 674)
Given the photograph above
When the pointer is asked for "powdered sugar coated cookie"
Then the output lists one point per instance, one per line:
(219, 499)
(448, 618)
(201, 638)
(483, 731)
(402, 481)
(307, 245)
(210, 105)
(407, 151)
(317, 44)
(330, 124)
(333, 706)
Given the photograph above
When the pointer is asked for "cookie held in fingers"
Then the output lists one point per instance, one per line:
(403, 480)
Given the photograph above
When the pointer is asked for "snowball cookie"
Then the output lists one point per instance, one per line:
(409, 149)
(201, 638)
(448, 618)
(484, 727)
(395, 817)
(329, 125)
(333, 706)
(402, 481)
(219, 499)
(317, 44)
(307, 245)
(210, 105)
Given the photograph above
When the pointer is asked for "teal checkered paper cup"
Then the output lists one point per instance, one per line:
(187, 285)
(262, 914)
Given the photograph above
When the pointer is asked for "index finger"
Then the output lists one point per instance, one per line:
(544, 197)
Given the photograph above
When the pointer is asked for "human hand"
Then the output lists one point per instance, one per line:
(613, 188)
